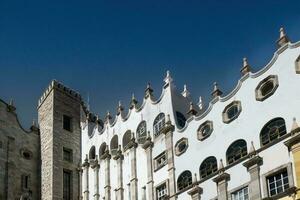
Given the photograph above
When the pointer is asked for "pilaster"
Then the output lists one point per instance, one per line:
(253, 167)
(148, 145)
(133, 180)
(168, 131)
(95, 166)
(86, 166)
(106, 158)
(222, 182)
(119, 158)
(195, 192)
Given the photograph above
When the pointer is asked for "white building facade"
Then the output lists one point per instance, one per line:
(240, 146)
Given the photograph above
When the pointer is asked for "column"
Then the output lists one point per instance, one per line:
(119, 158)
(106, 158)
(253, 167)
(195, 192)
(221, 181)
(168, 131)
(79, 169)
(133, 181)
(86, 166)
(293, 145)
(95, 166)
(148, 145)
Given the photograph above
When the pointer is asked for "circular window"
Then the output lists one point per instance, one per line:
(181, 146)
(232, 111)
(26, 154)
(205, 130)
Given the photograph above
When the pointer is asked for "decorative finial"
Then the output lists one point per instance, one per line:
(133, 102)
(168, 119)
(295, 126)
(11, 107)
(246, 67)
(192, 110)
(168, 79)
(200, 103)
(132, 135)
(216, 91)
(120, 108)
(108, 116)
(148, 91)
(221, 166)
(148, 135)
(252, 150)
(86, 158)
(11, 102)
(283, 38)
(185, 91)
(195, 177)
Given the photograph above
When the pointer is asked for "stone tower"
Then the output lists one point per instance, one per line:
(59, 119)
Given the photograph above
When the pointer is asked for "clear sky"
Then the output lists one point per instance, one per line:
(110, 49)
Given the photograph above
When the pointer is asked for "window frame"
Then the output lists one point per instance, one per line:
(158, 166)
(141, 138)
(205, 161)
(258, 93)
(225, 116)
(200, 135)
(70, 189)
(190, 179)
(280, 134)
(70, 151)
(64, 117)
(182, 140)
(243, 193)
(233, 146)
(158, 124)
(166, 183)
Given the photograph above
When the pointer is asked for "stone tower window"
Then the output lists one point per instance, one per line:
(1, 145)
(67, 179)
(184, 180)
(266, 88)
(208, 167)
(272, 130)
(161, 191)
(205, 130)
(232, 111)
(25, 181)
(158, 124)
(67, 123)
(236, 151)
(67, 154)
(141, 132)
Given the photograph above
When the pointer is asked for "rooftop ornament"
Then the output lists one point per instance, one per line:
(216, 91)
(148, 91)
(192, 111)
(283, 38)
(185, 91)
(133, 102)
(246, 67)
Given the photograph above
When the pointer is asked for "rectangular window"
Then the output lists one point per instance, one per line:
(67, 123)
(278, 183)
(160, 160)
(67, 154)
(1, 145)
(67, 185)
(241, 194)
(25, 182)
(161, 192)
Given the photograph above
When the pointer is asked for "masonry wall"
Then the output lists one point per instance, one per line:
(14, 141)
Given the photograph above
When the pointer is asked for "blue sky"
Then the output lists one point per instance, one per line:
(111, 49)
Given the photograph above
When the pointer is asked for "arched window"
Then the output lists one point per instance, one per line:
(92, 153)
(180, 119)
(126, 139)
(208, 166)
(114, 144)
(184, 180)
(236, 151)
(272, 130)
(102, 149)
(141, 132)
(158, 124)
